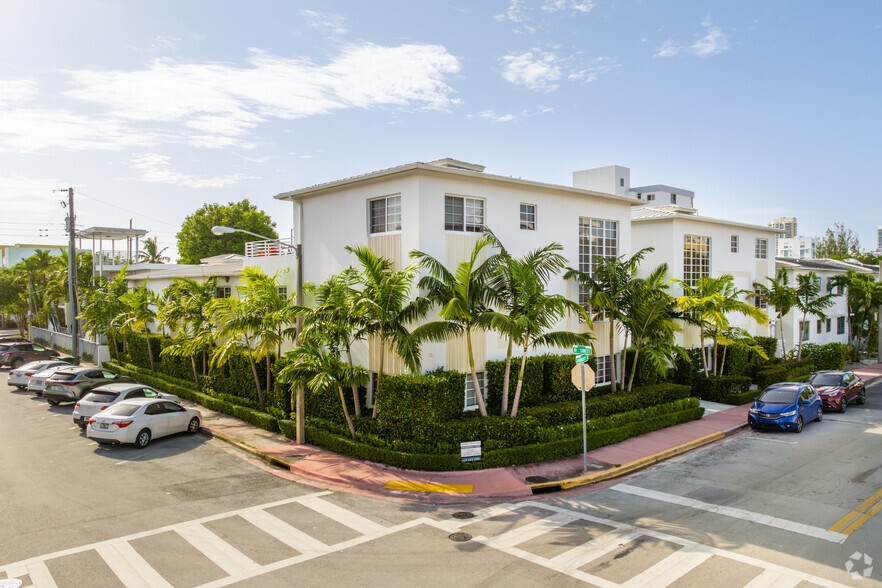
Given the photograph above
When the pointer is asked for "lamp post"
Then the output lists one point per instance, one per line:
(299, 409)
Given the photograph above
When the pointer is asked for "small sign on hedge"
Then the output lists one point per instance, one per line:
(470, 451)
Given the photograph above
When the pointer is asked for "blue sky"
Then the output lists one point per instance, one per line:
(151, 109)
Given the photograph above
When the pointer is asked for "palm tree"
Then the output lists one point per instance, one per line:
(139, 313)
(383, 303)
(780, 295)
(322, 370)
(185, 312)
(102, 309)
(810, 301)
(863, 298)
(238, 324)
(740, 339)
(152, 253)
(465, 299)
(608, 284)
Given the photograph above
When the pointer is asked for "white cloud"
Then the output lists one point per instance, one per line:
(218, 104)
(575, 5)
(325, 21)
(536, 69)
(499, 118)
(165, 43)
(29, 197)
(600, 65)
(17, 90)
(495, 117)
(715, 41)
(514, 12)
(157, 169)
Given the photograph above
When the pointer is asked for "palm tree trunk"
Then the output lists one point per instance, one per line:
(256, 379)
(115, 348)
(624, 358)
(612, 355)
(193, 365)
(479, 396)
(204, 362)
(268, 372)
(716, 373)
(355, 399)
(149, 352)
(346, 412)
(517, 398)
(633, 368)
(783, 347)
(703, 350)
(799, 349)
(505, 385)
(379, 375)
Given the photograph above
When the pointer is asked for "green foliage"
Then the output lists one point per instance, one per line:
(717, 388)
(410, 405)
(783, 372)
(196, 241)
(769, 344)
(686, 367)
(532, 391)
(740, 398)
(138, 355)
(557, 386)
(647, 374)
(830, 356)
(838, 243)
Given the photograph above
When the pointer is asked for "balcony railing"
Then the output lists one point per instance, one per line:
(106, 258)
(270, 248)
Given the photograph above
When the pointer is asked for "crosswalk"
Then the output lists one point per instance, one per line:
(515, 529)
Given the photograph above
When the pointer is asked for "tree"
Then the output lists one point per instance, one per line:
(810, 301)
(184, 311)
(608, 287)
(13, 297)
(196, 241)
(839, 243)
(139, 314)
(863, 297)
(103, 310)
(779, 294)
(152, 253)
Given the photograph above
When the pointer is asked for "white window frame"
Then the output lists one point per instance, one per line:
(470, 399)
(759, 302)
(598, 238)
(761, 248)
(391, 223)
(526, 223)
(282, 292)
(733, 244)
(696, 258)
(465, 203)
(841, 325)
(226, 291)
(603, 374)
(804, 330)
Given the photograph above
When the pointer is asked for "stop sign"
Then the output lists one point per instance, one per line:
(576, 376)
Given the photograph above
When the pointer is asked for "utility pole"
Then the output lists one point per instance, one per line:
(72, 276)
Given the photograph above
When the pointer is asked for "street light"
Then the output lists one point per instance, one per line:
(219, 230)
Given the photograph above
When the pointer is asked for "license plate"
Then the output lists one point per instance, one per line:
(102, 425)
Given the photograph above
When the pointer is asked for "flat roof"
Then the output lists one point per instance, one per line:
(652, 214)
(110, 233)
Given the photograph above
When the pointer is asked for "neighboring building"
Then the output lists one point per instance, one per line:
(124, 249)
(616, 179)
(815, 329)
(879, 239)
(226, 268)
(799, 247)
(786, 224)
(440, 208)
(13, 254)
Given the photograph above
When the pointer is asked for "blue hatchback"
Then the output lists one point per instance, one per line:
(786, 406)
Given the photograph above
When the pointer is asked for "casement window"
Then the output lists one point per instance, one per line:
(598, 239)
(223, 292)
(829, 325)
(762, 249)
(650, 197)
(283, 292)
(471, 400)
(385, 214)
(528, 217)
(803, 330)
(673, 198)
(840, 325)
(820, 326)
(757, 301)
(604, 370)
(696, 258)
(463, 214)
(733, 244)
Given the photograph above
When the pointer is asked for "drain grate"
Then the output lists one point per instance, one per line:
(459, 537)
(463, 515)
(535, 479)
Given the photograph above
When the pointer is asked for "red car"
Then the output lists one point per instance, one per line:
(838, 389)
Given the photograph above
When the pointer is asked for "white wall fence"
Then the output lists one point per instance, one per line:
(100, 353)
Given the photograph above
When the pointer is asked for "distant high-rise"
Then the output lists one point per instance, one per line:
(879, 239)
(787, 224)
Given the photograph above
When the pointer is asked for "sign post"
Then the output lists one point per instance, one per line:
(585, 376)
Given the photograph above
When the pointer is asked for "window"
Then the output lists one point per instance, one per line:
(463, 214)
(223, 292)
(762, 248)
(759, 302)
(385, 214)
(283, 292)
(840, 289)
(733, 244)
(820, 326)
(840, 325)
(603, 375)
(650, 197)
(471, 401)
(528, 217)
(598, 238)
(673, 198)
(622, 182)
(803, 330)
(696, 258)
(829, 324)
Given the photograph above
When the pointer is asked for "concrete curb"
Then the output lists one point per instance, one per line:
(270, 459)
(633, 466)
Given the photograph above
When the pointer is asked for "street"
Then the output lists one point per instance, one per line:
(756, 509)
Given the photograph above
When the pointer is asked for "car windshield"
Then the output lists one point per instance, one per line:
(63, 376)
(778, 396)
(101, 396)
(826, 380)
(121, 410)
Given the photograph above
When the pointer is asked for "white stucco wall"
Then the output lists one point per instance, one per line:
(834, 313)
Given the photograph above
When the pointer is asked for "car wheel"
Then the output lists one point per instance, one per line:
(16, 363)
(22, 388)
(820, 415)
(82, 426)
(52, 402)
(843, 403)
(143, 439)
(799, 424)
(193, 427)
(862, 397)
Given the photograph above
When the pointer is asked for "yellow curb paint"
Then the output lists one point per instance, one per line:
(853, 520)
(420, 487)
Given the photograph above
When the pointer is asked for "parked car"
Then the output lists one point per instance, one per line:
(18, 354)
(838, 388)
(71, 384)
(38, 381)
(786, 406)
(8, 339)
(20, 376)
(140, 420)
(102, 397)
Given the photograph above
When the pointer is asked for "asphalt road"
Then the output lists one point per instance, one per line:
(753, 510)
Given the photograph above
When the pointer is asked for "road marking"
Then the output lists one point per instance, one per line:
(774, 440)
(746, 515)
(40, 576)
(132, 569)
(669, 569)
(876, 431)
(227, 557)
(290, 536)
(483, 514)
(348, 518)
(530, 530)
(579, 556)
(774, 579)
(421, 487)
(853, 520)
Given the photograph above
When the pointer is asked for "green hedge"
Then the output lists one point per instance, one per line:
(717, 388)
(409, 406)
(646, 375)
(532, 390)
(741, 398)
(783, 372)
(831, 356)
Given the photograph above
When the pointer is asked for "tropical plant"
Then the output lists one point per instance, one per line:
(184, 312)
(863, 297)
(139, 313)
(810, 301)
(779, 294)
(196, 241)
(151, 252)
(103, 308)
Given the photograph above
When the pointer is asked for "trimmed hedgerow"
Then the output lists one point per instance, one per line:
(741, 398)
(826, 357)
(783, 372)
(717, 388)
(408, 406)
(532, 389)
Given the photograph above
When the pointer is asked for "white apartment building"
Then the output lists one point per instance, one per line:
(798, 247)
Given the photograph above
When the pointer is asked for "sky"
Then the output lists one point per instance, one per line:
(150, 109)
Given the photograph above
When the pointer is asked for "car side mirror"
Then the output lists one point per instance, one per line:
(755, 398)
(806, 401)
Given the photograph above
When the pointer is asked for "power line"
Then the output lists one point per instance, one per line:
(126, 209)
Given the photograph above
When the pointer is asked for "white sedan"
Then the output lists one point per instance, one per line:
(102, 397)
(37, 383)
(20, 376)
(138, 421)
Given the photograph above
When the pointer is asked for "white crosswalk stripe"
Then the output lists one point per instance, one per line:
(670, 569)
(587, 552)
(132, 569)
(290, 536)
(227, 557)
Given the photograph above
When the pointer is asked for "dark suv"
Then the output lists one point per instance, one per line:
(71, 384)
(17, 354)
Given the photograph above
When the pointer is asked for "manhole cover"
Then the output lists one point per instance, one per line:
(459, 537)
(12, 583)
(535, 479)
(463, 515)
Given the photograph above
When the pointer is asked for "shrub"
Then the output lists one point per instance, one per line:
(831, 356)
(685, 368)
(769, 345)
(647, 374)
(557, 386)
(532, 389)
(741, 397)
(783, 372)
(407, 405)
(717, 388)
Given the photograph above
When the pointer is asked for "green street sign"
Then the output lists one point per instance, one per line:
(582, 358)
(581, 349)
